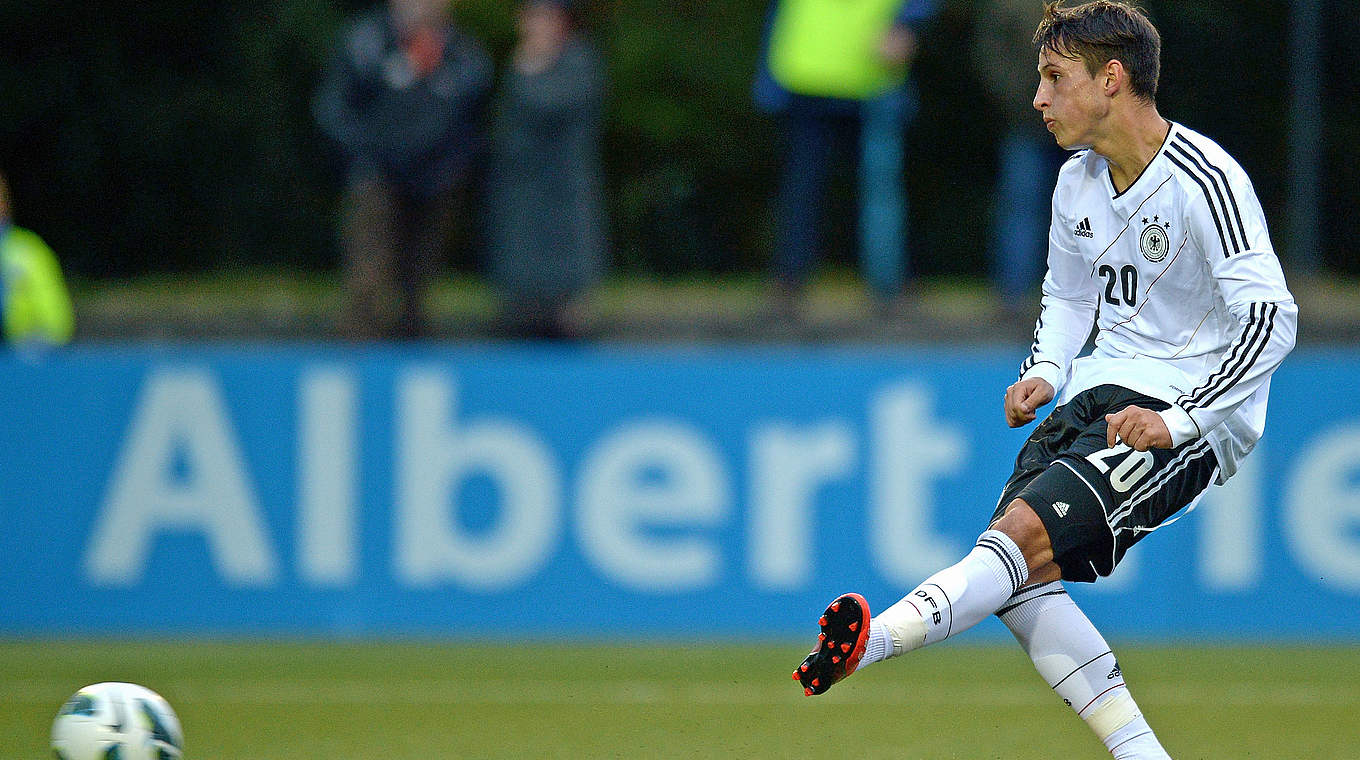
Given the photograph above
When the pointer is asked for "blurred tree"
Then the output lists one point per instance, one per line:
(172, 136)
(1341, 131)
(1215, 95)
(167, 136)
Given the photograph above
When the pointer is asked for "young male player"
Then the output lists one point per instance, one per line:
(1157, 237)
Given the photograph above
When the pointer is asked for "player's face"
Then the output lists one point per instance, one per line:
(1070, 99)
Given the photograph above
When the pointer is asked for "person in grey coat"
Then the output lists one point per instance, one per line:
(403, 100)
(546, 227)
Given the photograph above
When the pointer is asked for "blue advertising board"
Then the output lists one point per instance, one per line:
(556, 491)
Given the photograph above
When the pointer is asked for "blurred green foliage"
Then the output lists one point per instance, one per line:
(167, 136)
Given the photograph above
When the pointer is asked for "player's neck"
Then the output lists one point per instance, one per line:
(1131, 143)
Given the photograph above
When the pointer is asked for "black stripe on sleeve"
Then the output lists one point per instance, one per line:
(1269, 319)
(1212, 210)
(1220, 191)
(1261, 325)
(1240, 347)
(1227, 188)
(1205, 181)
(1031, 360)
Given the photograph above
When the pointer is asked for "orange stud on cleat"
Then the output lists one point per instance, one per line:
(830, 645)
(835, 659)
(821, 620)
(854, 626)
(816, 682)
(795, 675)
(803, 667)
(821, 637)
(845, 648)
(807, 692)
(836, 606)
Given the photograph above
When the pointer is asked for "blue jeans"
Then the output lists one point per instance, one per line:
(882, 197)
(812, 129)
(1024, 192)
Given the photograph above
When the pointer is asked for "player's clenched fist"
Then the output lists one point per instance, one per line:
(1140, 428)
(1024, 397)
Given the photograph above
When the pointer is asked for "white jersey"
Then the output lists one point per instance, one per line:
(1186, 293)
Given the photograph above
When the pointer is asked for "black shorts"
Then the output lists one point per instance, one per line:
(1097, 501)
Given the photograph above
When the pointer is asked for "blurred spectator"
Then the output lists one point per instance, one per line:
(831, 66)
(1028, 158)
(402, 98)
(33, 296)
(546, 219)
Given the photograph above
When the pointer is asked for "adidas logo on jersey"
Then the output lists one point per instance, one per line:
(1061, 508)
(1084, 228)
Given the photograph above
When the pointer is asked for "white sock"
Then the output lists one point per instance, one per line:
(878, 647)
(1136, 741)
(1074, 659)
(950, 601)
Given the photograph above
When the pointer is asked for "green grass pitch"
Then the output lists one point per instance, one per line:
(284, 700)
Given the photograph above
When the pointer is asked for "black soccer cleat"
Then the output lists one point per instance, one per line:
(840, 645)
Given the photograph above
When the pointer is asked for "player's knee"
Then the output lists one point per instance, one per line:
(1025, 528)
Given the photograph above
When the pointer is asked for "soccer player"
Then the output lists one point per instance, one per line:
(1158, 238)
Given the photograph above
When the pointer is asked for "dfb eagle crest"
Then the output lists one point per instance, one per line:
(1154, 242)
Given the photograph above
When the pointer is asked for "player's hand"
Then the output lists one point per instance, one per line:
(1024, 397)
(1140, 428)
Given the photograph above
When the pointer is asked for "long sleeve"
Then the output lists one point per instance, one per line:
(338, 104)
(1070, 302)
(1230, 228)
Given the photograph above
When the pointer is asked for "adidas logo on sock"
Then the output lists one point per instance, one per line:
(1061, 508)
(1084, 228)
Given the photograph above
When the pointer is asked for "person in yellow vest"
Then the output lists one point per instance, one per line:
(831, 69)
(33, 300)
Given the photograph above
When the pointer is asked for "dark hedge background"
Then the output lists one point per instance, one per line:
(172, 136)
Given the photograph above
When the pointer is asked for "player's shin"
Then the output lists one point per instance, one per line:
(950, 601)
(1074, 659)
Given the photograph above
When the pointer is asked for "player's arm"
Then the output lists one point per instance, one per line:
(1232, 234)
(339, 104)
(1069, 307)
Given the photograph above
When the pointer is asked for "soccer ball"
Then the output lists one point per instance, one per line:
(117, 721)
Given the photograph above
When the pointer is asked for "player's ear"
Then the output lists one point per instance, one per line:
(1113, 74)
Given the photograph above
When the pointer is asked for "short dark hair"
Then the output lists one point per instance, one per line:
(1104, 30)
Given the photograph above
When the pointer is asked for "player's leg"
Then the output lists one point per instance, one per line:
(1071, 510)
(1073, 658)
(370, 250)
(945, 604)
(1096, 502)
(1014, 552)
